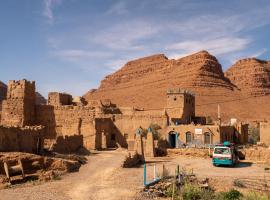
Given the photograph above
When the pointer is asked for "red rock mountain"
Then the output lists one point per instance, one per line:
(251, 76)
(144, 82)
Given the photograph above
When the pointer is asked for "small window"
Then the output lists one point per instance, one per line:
(207, 138)
(174, 98)
(188, 137)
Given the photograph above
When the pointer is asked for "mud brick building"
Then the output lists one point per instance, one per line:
(17, 130)
(67, 124)
(265, 132)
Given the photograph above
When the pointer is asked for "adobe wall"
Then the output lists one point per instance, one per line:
(19, 107)
(228, 133)
(21, 139)
(197, 132)
(265, 132)
(130, 119)
(58, 99)
(68, 121)
(180, 106)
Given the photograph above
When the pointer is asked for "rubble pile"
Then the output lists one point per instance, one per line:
(43, 167)
(190, 152)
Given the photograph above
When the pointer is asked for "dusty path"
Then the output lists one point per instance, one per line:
(101, 178)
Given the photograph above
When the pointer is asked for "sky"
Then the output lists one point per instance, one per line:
(71, 45)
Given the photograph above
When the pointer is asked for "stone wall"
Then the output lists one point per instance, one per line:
(27, 139)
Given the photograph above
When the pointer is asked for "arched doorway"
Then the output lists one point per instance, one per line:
(207, 138)
(188, 137)
(173, 137)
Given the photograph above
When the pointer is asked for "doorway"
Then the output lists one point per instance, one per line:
(172, 139)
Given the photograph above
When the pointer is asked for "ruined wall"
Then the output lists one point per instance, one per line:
(67, 121)
(265, 132)
(68, 144)
(242, 132)
(19, 107)
(27, 139)
(130, 119)
(58, 99)
(228, 133)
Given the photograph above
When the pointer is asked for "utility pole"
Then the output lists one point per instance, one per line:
(219, 118)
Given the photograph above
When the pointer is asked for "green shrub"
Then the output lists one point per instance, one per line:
(230, 195)
(170, 191)
(256, 196)
(191, 192)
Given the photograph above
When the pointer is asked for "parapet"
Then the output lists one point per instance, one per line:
(179, 91)
(21, 89)
(59, 99)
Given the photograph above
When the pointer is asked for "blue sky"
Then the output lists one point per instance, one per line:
(70, 45)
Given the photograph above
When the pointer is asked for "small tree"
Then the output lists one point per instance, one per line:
(155, 128)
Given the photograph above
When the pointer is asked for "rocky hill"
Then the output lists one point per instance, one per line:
(251, 76)
(144, 82)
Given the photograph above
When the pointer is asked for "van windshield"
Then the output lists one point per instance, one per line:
(223, 151)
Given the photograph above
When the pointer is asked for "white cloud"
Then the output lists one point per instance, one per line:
(74, 55)
(48, 9)
(215, 46)
(118, 8)
(125, 35)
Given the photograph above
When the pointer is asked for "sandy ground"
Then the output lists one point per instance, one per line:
(221, 178)
(103, 178)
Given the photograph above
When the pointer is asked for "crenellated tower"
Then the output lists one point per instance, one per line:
(19, 107)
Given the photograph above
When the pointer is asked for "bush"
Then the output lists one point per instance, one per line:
(191, 192)
(230, 195)
(256, 196)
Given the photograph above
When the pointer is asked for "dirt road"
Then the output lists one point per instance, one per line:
(221, 177)
(101, 178)
(104, 178)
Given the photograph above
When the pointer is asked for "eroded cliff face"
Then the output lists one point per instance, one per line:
(143, 83)
(251, 76)
(197, 70)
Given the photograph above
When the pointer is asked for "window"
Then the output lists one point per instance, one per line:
(188, 137)
(207, 138)
(174, 98)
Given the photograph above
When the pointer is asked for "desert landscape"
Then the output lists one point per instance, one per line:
(134, 100)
